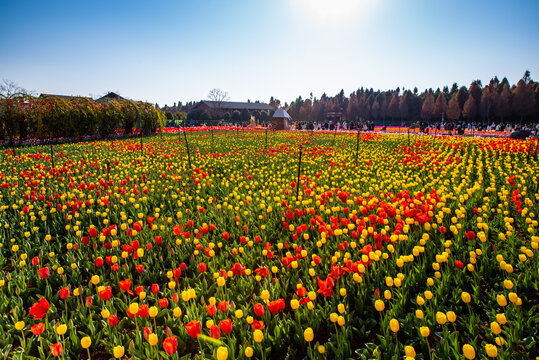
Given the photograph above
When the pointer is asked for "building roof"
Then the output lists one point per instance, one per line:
(65, 97)
(280, 113)
(234, 105)
(110, 95)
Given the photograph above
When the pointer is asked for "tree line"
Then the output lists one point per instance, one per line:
(498, 102)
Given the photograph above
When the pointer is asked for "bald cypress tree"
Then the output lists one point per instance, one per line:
(428, 108)
(441, 105)
(453, 109)
(503, 104)
(469, 111)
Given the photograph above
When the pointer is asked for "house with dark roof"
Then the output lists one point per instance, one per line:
(63, 97)
(231, 106)
(110, 96)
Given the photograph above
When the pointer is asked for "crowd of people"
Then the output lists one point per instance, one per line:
(332, 126)
(454, 128)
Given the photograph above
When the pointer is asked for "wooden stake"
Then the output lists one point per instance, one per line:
(188, 154)
(52, 156)
(529, 152)
(299, 170)
(357, 146)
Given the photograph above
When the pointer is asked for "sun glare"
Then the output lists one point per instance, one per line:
(332, 10)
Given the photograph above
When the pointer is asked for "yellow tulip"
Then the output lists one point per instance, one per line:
(468, 351)
(308, 335)
(491, 350)
(441, 318)
(379, 305)
(258, 336)
(451, 316)
(409, 351)
(222, 353)
(85, 342)
(501, 318)
(394, 325)
(61, 329)
(118, 351)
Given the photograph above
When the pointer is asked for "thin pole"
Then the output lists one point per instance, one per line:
(357, 145)
(299, 170)
(52, 155)
(529, 152)
(188, 154)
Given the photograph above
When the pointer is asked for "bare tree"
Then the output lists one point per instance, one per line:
(10, 90)
(12, 115)
(218, 96)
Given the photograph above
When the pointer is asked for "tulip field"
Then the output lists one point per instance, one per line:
(270, 245)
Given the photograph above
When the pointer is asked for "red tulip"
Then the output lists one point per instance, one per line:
(257, 325)
(170, 345)
(56, 349)
(459, 264)
(223, 306)
(163, 302)
(215, 332)
(155, 288)
(38, 329)
(99, 262)
(35, 261)
(39, 309)
(193, 328)
(275, 306)
(143, 311)
(44, 272)
(259, 309)
(470, 235)
(113, 320)
(226, 325)
(125, 284)
(202, 267)
(147, 332)
(211, 309)
(64, 293)
(106, 293)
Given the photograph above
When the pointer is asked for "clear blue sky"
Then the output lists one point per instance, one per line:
(166, 51)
